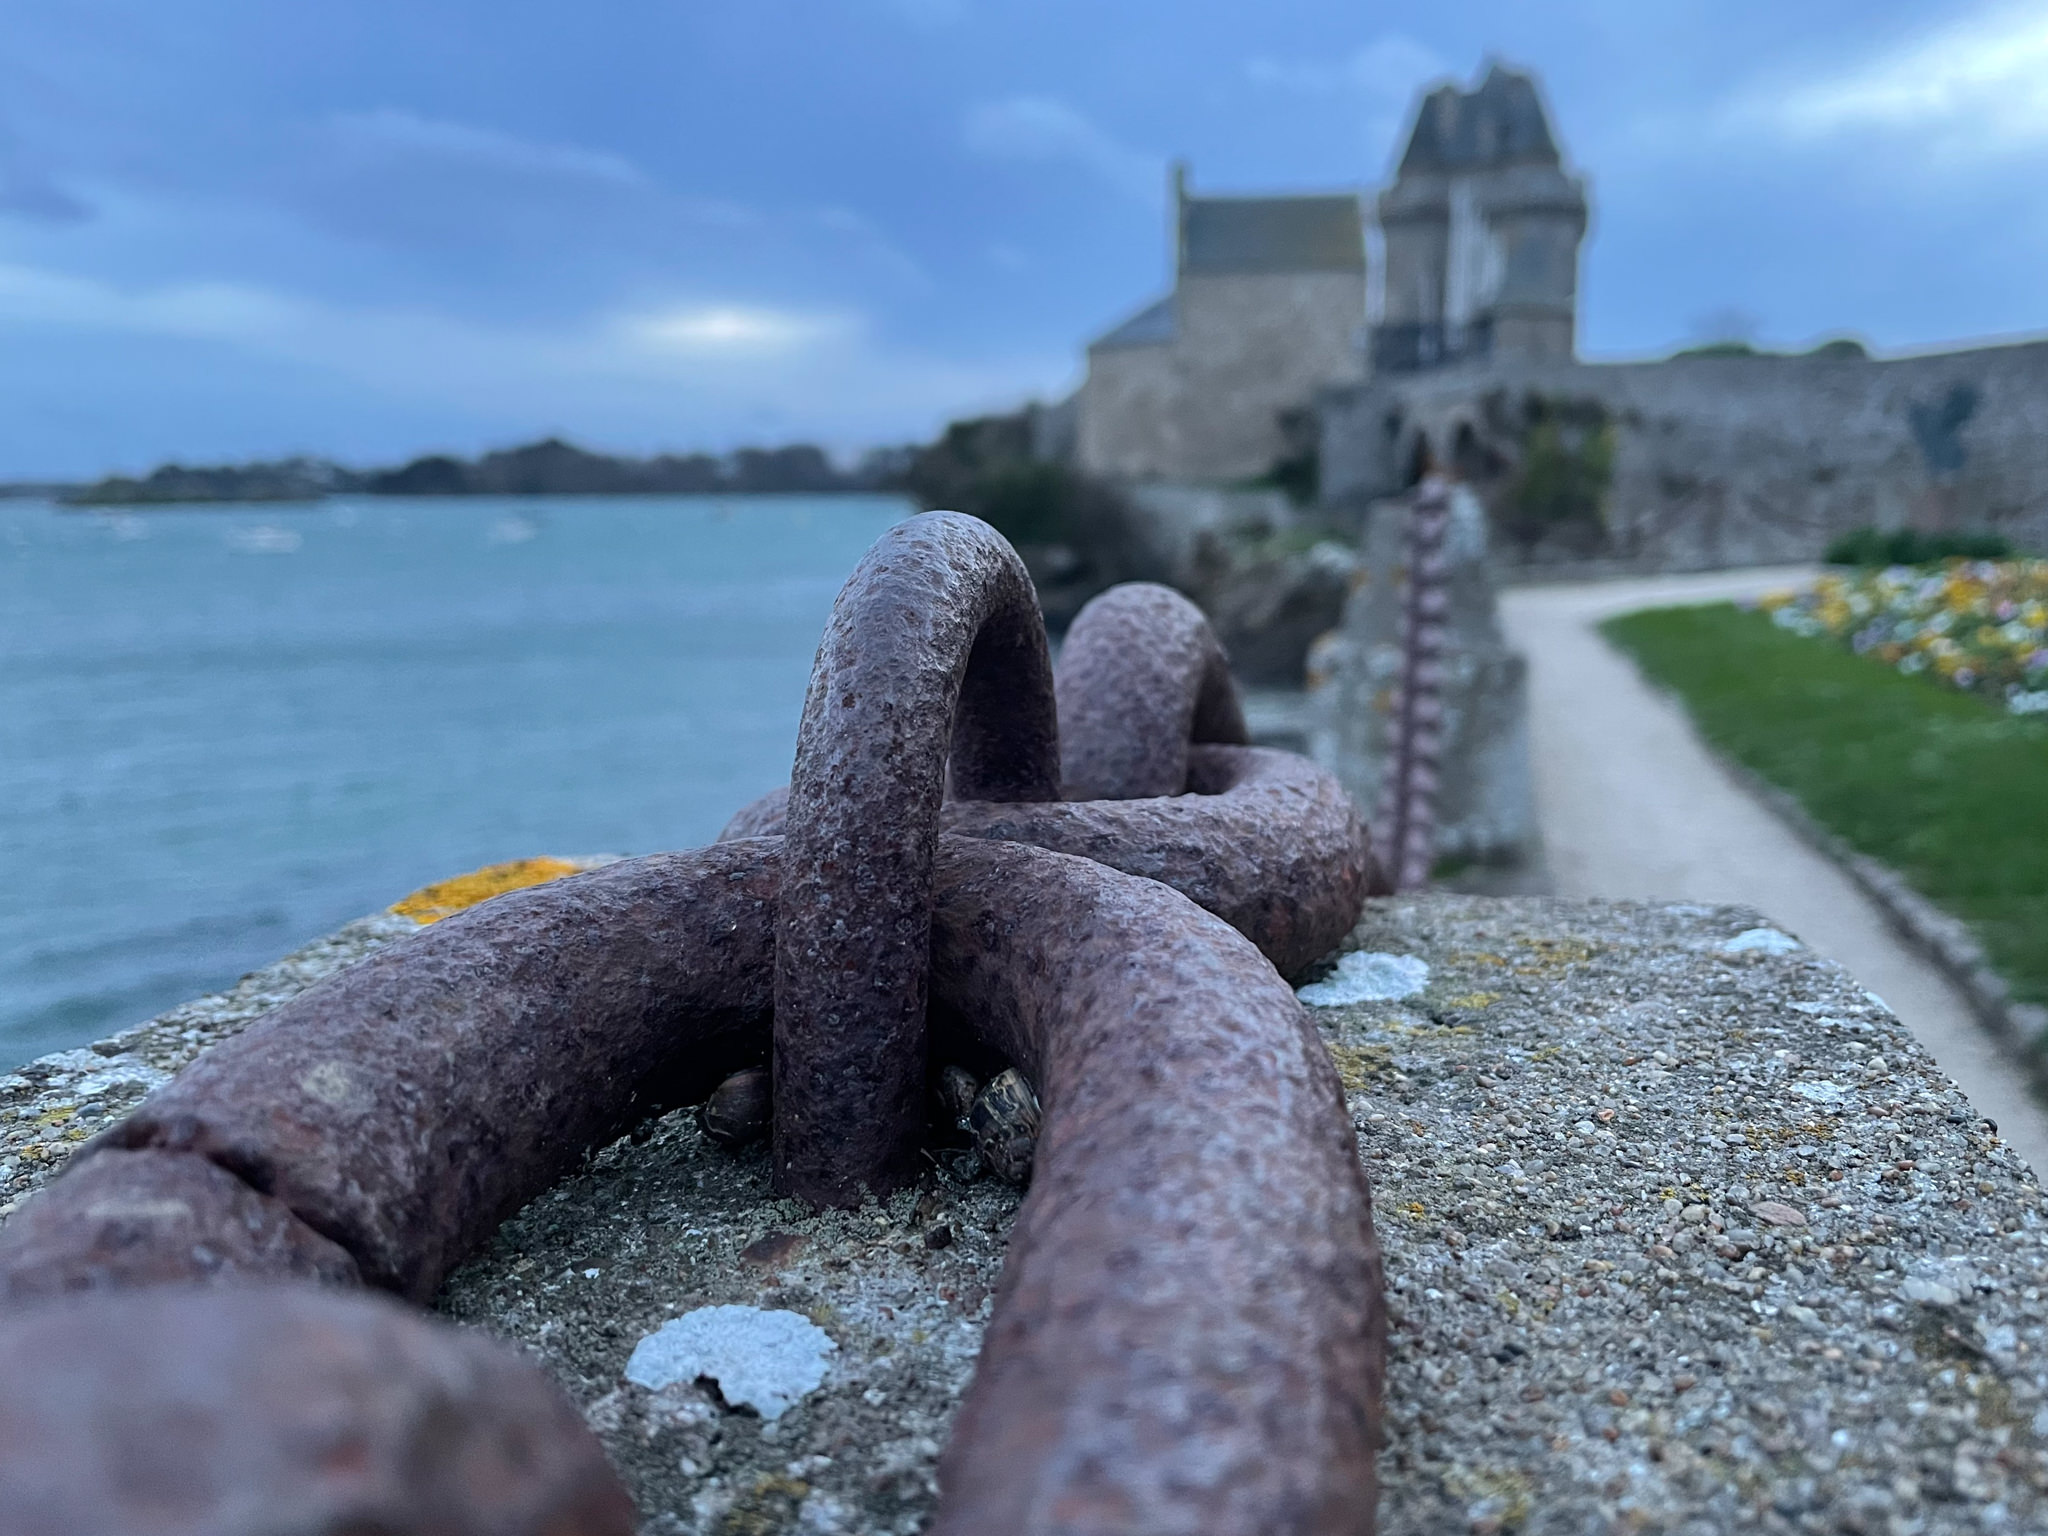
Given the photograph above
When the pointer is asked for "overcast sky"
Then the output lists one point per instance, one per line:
(246, 227)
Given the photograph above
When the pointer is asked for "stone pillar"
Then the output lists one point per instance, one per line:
(1486, 810)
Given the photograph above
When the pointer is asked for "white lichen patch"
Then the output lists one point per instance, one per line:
(87, 1074)
(1761, 941)
(761, 1358)
(1368, 978)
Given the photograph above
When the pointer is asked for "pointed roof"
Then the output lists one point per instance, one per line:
(1501, 123)
(1152, 326)
(1272, 234)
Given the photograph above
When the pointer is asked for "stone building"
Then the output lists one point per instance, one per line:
(1482, 228)
(1268, 307)
(1692, 461)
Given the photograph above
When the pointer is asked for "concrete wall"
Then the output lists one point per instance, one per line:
(1729, 461)
(1206, 405)
(1485, 799)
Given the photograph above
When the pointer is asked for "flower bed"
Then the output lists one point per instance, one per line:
(1943, 786)
(1980, 626)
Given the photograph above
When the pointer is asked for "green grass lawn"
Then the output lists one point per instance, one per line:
(1945, 788)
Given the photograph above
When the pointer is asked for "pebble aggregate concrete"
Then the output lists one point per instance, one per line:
(1633, 804)
(1682, 1235)
(1685, 1238)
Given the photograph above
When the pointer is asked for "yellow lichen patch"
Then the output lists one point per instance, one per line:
(445, 898)
(771, 1505)
(1473, 1000)
(1995, 1408)
(1554, 955)
(1358, 1065)
(1760, 1137)
(57, 1116)
(1413, 1210)
(1502, 1494)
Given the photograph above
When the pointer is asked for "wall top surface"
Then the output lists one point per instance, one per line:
(1680, 1225)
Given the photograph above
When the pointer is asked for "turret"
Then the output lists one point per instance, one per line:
(1482, 229)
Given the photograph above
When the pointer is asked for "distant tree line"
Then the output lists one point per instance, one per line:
(551, 467)
(301, 479)
(555, 468)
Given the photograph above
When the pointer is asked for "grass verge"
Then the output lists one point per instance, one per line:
(1944, 787)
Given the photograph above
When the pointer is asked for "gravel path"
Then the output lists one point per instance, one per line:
(1633, 805)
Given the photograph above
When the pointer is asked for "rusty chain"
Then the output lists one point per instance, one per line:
(1188, 1335)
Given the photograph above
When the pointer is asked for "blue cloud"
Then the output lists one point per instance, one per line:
(1045, 131)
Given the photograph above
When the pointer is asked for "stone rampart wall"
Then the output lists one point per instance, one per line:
(1736, 460)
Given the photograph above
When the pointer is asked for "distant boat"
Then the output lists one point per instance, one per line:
(265, 540)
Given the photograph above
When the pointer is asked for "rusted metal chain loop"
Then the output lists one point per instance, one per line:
(935, 647)
(1188, 1334)
(1140, 677)
(250, 1411)
(1197, 1199)
(116, 1218)
(1407, 812)
(404, 1107)
(1187, 1337)
(1266, 840)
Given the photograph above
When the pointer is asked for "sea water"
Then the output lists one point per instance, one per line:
(225, 731)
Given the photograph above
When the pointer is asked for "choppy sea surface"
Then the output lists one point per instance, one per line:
(224, 732)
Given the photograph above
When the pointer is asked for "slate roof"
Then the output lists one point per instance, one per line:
(1272, 234)
(1501, 123)
(1152, 326)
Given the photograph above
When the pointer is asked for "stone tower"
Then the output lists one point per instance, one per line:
(1482, 230)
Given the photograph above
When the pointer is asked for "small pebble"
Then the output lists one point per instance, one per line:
(1779, 1214)
(774, 1250)
(1761, 941)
